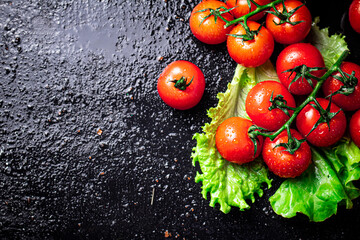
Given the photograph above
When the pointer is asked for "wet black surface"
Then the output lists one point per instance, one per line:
(86, 141)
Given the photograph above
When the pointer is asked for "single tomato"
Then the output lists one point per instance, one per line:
(283, 163)
(258, 105)
(354, 15)
(293, 60)
(253, 52)
(293, 24)
(181, 85)
(206, 22)
(355, 128)
(233, 142)
(351, 77)
(241, 8)
(321, 134)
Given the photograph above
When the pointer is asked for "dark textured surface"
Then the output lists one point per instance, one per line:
(86, 141)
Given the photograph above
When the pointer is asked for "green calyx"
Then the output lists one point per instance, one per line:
(303, 72)
(217, 13)
(182, 84)
(325, 115)
(280, 103)
(349, 81)
(249, 35)
(285, 15)
(292, 145)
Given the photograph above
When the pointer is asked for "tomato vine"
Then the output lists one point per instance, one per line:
(259, 8)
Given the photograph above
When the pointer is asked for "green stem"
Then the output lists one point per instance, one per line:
(335, 67)
(257, 10)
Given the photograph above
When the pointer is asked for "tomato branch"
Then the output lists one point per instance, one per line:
(259, 9)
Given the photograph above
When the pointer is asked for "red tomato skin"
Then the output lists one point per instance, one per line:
(208, 31)
(321, 136)
(242, 8)
(252, 53)
(233, 142)
(296, 55)
(354, 15)
(354, 127)
(347, 103)
(174, 97)
(258, 102)
(286, 33)
(281, 162)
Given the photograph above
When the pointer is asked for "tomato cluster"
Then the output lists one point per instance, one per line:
(250, 43)
(271, 105)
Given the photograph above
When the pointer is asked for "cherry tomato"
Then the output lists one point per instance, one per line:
(181, 85)
(257, 105)
(242, 8)
(355, 128)
(250, 53)
(354, 15)
(233, 142)
(299, 56)
(293, 31)
(283, 163)
(322, 135)
(207, 27)
(331, 85)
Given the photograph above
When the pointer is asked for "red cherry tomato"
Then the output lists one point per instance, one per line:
(289, 33)
(181, 85)
(209, 28)
(331, 85)
(322, 135)
(250, 53)
(283, 163)
(355, 128)
(354, 15)
(242, 8)
(233, 142)
(257, 105)
(297, 55)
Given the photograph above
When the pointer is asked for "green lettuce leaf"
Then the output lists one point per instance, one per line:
(331, 47)
(227, 183)
(327, 183)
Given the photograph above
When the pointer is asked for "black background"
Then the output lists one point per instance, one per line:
(86, 140)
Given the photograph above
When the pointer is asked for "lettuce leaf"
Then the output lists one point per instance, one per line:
(325, 184)
(331, 47)
(227, 183)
